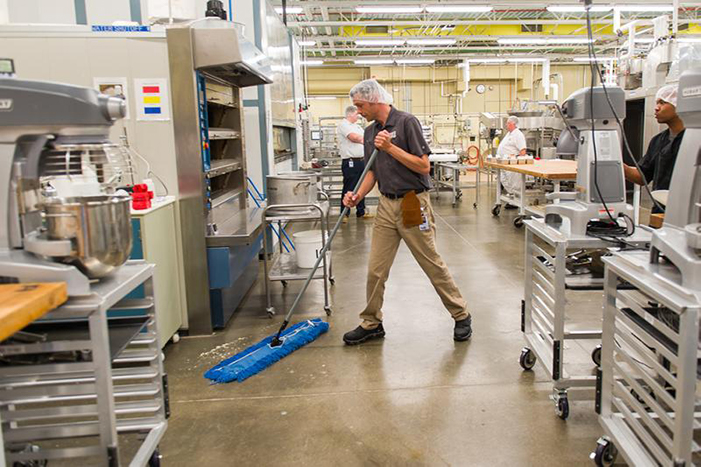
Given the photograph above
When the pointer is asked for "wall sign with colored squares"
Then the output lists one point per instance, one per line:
(152, 99)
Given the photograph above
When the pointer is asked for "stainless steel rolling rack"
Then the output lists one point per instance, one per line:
(331, 180)
(283, 267)
(647, 401)
(544, 307)
(454, 184)
(91, 379)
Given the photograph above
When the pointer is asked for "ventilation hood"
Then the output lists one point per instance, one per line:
(221, 50)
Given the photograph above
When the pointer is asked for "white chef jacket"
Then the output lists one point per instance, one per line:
(346, 147)
(512, 144)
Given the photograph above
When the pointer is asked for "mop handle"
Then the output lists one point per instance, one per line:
(346, 210)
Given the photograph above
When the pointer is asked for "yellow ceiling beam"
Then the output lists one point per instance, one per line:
(478, 30)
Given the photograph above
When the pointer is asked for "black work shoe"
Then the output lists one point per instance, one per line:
(360, 335)
(463, 329)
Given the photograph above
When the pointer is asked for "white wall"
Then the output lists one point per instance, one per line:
(107, 12)
(38, 11)
(97, 11)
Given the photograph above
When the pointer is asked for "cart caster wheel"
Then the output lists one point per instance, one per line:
(271, 312)
(562, 408)
(496, 210)
(284, 283)
(596, 355)
(332, 280)
(518, 222)
(474, 205)
(155, 460)
(328, 310)
(605, 453)
(527, 359)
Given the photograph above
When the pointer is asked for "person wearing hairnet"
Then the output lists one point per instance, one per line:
(401, 172)
(513, 144)
(658, 163)
(350, 148)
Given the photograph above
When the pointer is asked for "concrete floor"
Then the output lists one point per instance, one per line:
(414, 398)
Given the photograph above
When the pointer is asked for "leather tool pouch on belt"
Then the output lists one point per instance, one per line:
(411, 210)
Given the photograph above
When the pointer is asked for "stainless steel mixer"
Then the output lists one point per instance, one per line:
(61, 173)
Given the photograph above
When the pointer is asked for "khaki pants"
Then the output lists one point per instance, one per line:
(387, 233)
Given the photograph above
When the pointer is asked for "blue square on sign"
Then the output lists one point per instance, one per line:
(152, 110)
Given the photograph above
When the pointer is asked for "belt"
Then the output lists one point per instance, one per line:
(393, 196)
(354, 158)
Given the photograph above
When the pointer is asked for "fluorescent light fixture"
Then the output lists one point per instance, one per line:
(591, 59)
(380, 42)
(519, 41)
(436, 41)
(416, 61)
(486, 60)
(307, 43)
(577, 9)
(644, 8)
(291, 10)
(322, 98)
(374, 62)
(389, 9)
(690, 40)
(458, 8)
(525, 60)
(542, 41)
(571, 40)
(312, 62)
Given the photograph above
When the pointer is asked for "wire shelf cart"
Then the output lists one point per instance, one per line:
(90, 381)
(282, 266)
(454, 183)
(549, 279)
(647, 398)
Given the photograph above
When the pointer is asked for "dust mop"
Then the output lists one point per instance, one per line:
(258, 357)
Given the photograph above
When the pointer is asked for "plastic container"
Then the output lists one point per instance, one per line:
(308, 245)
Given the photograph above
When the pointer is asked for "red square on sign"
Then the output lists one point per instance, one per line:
(151, 89)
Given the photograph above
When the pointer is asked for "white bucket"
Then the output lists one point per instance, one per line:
(308, 245)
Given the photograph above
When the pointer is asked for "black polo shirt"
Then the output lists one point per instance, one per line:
(658, 163)
(392, 176)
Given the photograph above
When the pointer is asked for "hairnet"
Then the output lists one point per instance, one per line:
(351, 109)
(668, 93)
(513, 119)
(371, 91)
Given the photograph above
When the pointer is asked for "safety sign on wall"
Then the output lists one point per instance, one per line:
(152, 101)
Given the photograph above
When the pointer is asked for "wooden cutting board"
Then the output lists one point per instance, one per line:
(20, 304)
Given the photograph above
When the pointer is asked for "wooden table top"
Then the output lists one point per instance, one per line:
(21, 304)
(656, 220)
(551, 169)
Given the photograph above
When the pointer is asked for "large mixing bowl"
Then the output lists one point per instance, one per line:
(99, 228)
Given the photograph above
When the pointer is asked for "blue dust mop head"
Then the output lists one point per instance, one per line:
(260, 356)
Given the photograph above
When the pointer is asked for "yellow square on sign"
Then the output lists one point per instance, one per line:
(152, 100)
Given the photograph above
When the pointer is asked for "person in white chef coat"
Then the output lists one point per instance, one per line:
(513, 144)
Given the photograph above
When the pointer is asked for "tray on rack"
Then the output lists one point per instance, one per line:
(122, 330)
(287, 214)
(284, 268)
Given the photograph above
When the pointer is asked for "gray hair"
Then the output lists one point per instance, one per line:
(513, 119)
(350, 110)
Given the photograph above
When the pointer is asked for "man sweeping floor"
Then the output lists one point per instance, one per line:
(404, 213)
